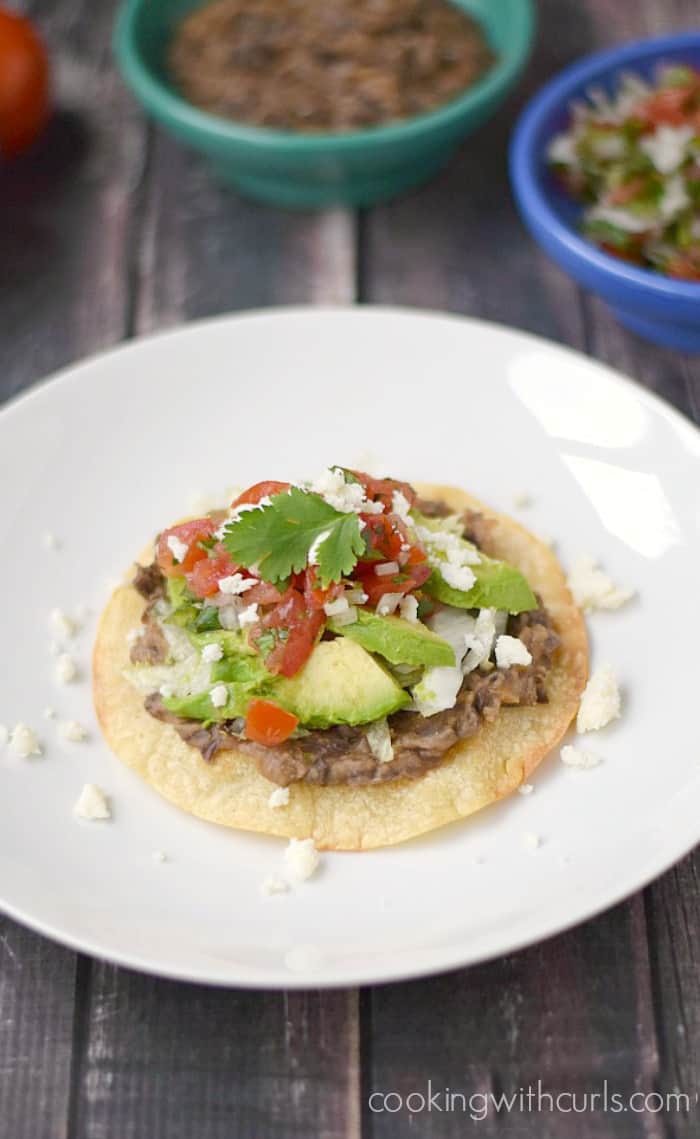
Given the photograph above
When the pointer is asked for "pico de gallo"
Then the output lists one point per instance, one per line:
(313, 605)
(633, 159)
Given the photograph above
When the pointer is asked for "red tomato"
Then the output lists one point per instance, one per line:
(204, 578)
(408, 579)
(260, 490)
(382, 540)
(296, 629)
(24, 84)
(683, 268)
(669, 106)
(314, 595)
(627, 192)
(382, 490)
(268, 724)
(190, 534)
(264, 594)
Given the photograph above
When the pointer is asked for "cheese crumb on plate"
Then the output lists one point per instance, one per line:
(301, 859)
(24, 742)
(593, 590)
(600, 702)
(73, 730)
(92, 804)
(66, 669)
(578, 758)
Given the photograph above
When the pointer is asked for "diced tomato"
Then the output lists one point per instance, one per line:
(627, 192)
(382, 540)
(684, 268)
(190, 534)
(408, 579)
(382, 490)
(264, 594)
(295, 628)
(260, 490)
(204, 579)
(668, 106)
(268, 724)
(315, 596)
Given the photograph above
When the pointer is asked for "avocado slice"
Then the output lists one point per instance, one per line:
(341, 683)
(497, 586)
(398, 641)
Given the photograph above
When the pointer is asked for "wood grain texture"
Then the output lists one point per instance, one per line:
(172, 1061)
(37, 980)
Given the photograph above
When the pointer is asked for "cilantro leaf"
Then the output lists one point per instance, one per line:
(278, 538)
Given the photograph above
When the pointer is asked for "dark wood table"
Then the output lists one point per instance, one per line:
(109, 231)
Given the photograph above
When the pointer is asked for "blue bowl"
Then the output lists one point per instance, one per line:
(656, 307)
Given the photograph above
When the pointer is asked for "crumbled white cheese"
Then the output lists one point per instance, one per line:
(177, 548)
(342, 496)
(592, 589)
(479, 642)
(388, 603)
(50, 541)
(510, 651)
(235, 584)
(526, 789)
(456, 576)
(49, 713)
(61, 624)
(401, 506)
(667, 146)
(219, 695)
(212, 653)
(577, 757)
(312, 556)
(92, 803)
(562, 150)
(133, 634)
(379, 740)
(437, 690)
(274, 885)
(608, 146)
(301, 859)
(619, 217)
(167, 691)
(334, 608)
(531, 840)
(601, 701)
(279, 797)
(24, 742)
(248, 616)
(159, 856)
(675, 198)
(4, 734)
(522, 500)
(73, 730)
(408, 608)
(66, 669)
(386, 569)
(457, 551)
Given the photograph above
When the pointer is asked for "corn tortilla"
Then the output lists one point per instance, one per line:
(478, 771)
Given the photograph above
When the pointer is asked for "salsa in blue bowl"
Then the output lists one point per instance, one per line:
(653, 304)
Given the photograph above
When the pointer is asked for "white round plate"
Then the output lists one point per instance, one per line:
(107, 452)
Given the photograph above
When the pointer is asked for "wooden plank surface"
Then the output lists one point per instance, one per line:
(118, 233)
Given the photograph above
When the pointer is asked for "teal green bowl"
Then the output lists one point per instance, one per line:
(286, 168)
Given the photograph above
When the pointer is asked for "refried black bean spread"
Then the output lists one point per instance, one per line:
(326, 65)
